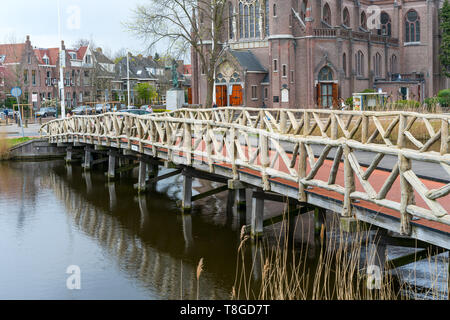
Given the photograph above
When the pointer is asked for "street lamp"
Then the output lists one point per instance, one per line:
(128, 78)
(62, 59)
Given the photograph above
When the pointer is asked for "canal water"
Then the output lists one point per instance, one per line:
(126, 246)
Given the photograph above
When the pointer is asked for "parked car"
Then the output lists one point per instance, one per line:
(147, 108)
(46, 112)
(82, 111)
(135, 111)
(100, 108)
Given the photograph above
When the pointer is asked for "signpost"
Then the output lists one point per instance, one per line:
(17, 92)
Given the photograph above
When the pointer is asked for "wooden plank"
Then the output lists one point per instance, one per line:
(210, 193)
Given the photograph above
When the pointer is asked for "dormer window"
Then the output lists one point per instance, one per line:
(46, 60)
(73, 55)
(88, 59)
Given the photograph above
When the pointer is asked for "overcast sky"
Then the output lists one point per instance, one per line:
(100, 20)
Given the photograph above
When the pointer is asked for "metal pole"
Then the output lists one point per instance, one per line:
(61, 72)
(20, 117)
(128, 78)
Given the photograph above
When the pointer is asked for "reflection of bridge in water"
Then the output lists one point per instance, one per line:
(140, 243)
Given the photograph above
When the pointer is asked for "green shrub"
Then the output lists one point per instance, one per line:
(369, 91)
(444, 98)
(160, 110)
(349, 102)
(407, 104)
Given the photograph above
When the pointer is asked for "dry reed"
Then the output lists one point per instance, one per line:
(340, 272)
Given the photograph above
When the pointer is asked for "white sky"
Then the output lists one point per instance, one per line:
(100, 20)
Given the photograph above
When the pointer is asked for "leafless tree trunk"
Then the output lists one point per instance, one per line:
(181, 25)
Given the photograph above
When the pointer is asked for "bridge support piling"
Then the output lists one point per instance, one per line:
(257, 215)
(241, 195)
(376, 252)
(112, 165)
(187, 193)
(69, 155)
(88, 158)
(320, 226)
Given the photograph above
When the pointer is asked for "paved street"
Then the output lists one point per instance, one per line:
(14, 131)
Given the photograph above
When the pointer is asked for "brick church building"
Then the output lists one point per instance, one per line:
(304, 54)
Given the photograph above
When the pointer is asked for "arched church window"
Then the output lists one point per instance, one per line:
(412, 26)
(325, 74)
(327, 14)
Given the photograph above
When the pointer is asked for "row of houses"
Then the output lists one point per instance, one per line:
(89, 75)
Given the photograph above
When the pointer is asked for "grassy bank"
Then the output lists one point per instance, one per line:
(7, 143)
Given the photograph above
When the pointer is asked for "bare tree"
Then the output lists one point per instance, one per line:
(184, 24)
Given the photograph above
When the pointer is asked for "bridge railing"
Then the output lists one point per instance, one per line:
(280, 144)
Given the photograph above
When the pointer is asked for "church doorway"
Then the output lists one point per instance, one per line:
(221, 96)
(236, 95)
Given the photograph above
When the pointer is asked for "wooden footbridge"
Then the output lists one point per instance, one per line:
(311, 157)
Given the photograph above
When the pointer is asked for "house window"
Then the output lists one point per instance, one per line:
(33, 77)
(284, 71)
(292, 76)
(412, 26)
(29, 58)
(385, 26)
(49, 74)
(46, 60)
(254, 93)
(88, 59)
(275, 65)
(274, 10)
(25, 77)
(266, 93)
(326, 15)
(359, 63)
(346, 17)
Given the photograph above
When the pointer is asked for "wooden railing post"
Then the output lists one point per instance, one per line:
(306, 123)
(365, 128)
(444, 136)
(265, 159)
(334, 126)
(188, 143)
(283, 121)
(349, 176)
(407, 191)
(302, 173)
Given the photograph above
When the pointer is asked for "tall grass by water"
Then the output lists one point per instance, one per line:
(342, 269)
